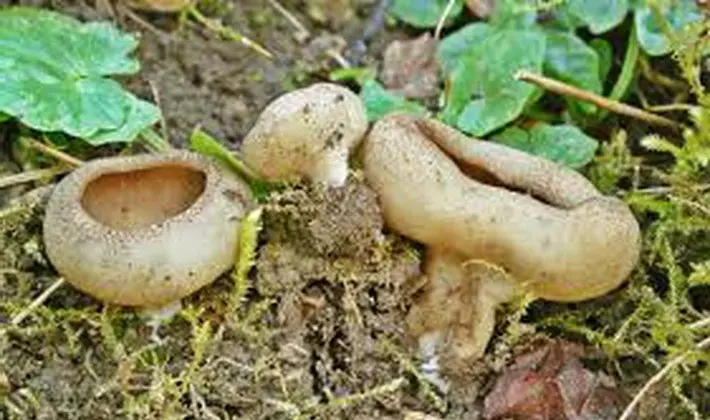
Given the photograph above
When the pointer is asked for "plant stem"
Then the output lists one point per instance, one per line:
(626, 76)
(227, 32)
(51, 151)
(30, 176)
(38, 301)
(154, 142)
(598, 100)
(659, 376)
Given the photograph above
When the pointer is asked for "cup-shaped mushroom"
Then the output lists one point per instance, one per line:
(543, 223)
(145, 230)
(483, 210)
(307, 134)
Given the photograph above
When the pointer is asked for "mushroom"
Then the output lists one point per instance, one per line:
(307, 133)
(145, 230)
(495, 221)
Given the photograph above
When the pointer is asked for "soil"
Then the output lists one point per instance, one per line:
(320, 333)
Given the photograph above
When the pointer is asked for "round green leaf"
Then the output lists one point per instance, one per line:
(452, 48)
(571, 60)
(379, 102)
(564, 144)
(487, 72)
(599, 15)
(424, 13)
(53, 75)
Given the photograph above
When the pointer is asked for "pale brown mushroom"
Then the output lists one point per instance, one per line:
(494, 220)
(145, 230)
(307, 134)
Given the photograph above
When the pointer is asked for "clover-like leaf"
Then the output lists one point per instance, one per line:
(379, 102)
(424, 13)
(53, 73)
(486, 72)
(599, 15)
(649, 30)
(453, 47)
(571, 60)
(564, 144)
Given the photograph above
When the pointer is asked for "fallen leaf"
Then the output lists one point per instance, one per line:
(551, 383)
(409, 68)
(481, 8)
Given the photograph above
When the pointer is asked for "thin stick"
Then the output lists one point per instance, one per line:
(658, 377)
(30, 176)
(600, 101)
(163, 124)
(302, 33)
(51, 151)
(228, 32)
(38, 301)
(442, 18)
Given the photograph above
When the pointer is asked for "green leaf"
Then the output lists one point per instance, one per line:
(452, 48)
(649, 30)
(424, 13)
(4, 117)
(487, 72)
(564, 144)
(599, 15)
(571, 60)
(379, 102)
(513, 14)
(53, 72)
(605, 53)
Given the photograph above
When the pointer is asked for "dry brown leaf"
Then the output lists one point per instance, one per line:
(410, 69)
(551, 383)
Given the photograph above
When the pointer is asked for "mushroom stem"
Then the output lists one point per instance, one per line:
(458, 304)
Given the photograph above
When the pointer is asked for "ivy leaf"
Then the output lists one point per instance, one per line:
(452, 48)
(53, 72)
(564, 144)
(487, 72)
(424, 13)
(649, 32)
(571, 60)
(379, 102)
(599, 15)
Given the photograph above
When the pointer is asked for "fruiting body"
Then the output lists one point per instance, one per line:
(145, 230)
(307, 134)
(544, 225)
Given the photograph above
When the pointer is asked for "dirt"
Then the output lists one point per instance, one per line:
(320, 333)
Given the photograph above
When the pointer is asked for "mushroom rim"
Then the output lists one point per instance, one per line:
(69, 206)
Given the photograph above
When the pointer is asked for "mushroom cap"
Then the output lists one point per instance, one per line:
(307, 133)
(543, 223)
(145, 230)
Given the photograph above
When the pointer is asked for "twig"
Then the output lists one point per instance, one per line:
(30, 176)
(51, 151)
(160, 35)
(658, 377)
(38, 301)
(302, 33)
(600, 101)
(228, 32)
(163, 124)
(442, 19)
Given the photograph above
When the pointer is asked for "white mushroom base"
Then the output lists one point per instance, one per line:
(454, 312)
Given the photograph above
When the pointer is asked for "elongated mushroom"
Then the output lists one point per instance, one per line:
(307, 134)
(494, 221)
(145, 230)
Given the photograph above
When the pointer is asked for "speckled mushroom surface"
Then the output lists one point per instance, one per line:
(145, 230)
(307, 134)
(468, 201)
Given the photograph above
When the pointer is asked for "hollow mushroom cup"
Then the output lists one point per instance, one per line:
(495, 221)
(307, 134)
(145, 230)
